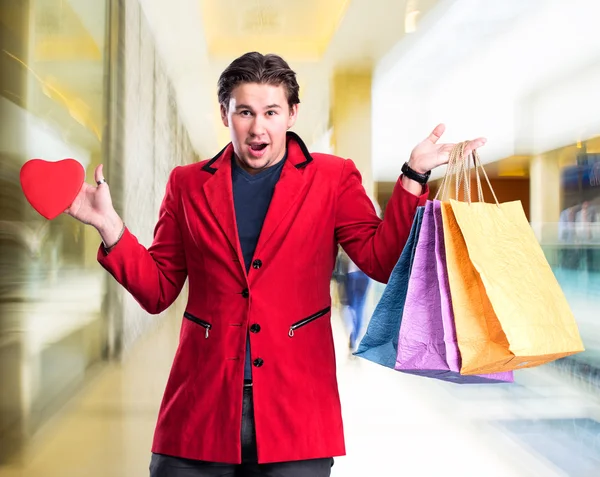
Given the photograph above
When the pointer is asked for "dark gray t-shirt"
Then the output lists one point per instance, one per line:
(252, 196)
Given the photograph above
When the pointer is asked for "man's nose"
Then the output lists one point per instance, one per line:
(258, 126)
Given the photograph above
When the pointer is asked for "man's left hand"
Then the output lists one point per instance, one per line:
(428, 154)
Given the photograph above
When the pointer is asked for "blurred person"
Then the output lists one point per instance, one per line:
(566, 234)
(566, 222)
(584, 220)
(252, 389)
(340, 272)
(355, 286)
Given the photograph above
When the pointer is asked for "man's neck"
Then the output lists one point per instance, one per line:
(253, 171)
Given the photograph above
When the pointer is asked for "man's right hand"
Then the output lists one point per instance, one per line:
(93, 206)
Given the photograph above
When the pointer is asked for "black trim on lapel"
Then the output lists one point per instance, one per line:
(289, 136)
(290, 188)
(207, 167)
(303, 147)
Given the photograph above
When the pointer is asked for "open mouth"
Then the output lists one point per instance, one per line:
(257, 150)
(258, 147)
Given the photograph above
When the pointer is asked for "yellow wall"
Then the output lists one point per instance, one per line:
(351, 121)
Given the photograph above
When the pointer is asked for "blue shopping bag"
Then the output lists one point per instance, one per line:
(380, 342)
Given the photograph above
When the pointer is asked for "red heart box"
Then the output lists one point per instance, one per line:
(51, 187)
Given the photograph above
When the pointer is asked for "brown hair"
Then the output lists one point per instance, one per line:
(262, 69)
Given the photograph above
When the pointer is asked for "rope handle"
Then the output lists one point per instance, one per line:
(459, 165)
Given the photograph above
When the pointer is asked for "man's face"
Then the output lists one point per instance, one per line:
(258, 116)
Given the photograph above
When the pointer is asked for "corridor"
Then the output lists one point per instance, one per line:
(140, 87)
(394, 423)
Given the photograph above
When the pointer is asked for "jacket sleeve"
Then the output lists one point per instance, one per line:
(374, 245)
(153, 276)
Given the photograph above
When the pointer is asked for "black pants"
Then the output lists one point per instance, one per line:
(168, 466)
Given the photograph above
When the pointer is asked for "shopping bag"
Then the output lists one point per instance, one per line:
(380, 342)
(427, 340)
(509, 310)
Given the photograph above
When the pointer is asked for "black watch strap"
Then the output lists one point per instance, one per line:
(414, 175)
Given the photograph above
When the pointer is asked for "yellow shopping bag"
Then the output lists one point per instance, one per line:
(509, 309)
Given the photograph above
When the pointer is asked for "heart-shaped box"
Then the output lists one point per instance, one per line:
(51, 187)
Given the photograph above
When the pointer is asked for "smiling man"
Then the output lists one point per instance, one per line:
(253, 390)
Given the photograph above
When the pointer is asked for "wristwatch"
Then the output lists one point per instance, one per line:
(414, 175)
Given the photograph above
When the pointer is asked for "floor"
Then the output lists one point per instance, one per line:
(396, 424)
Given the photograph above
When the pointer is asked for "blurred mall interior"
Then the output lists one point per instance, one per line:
(131, 84)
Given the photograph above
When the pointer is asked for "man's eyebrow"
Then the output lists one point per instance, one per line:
(245, 106)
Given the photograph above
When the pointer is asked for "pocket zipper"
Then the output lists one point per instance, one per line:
(207, 326)
(306, 321)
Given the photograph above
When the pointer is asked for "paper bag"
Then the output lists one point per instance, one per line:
(380, 342)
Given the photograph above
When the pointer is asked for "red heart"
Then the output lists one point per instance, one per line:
(51, 187)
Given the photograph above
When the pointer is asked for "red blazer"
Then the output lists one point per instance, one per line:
(283, 301)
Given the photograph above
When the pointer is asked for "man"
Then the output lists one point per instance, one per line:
(253, 389)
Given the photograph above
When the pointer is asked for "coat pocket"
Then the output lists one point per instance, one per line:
(204, 324)
(308, 320)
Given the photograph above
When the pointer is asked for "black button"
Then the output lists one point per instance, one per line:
(257, 264)
(245, 293)
(255, 328)
(258, 362)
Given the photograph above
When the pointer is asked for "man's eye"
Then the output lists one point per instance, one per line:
(271, 113)
(245, 113)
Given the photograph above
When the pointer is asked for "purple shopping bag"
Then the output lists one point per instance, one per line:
(427, 340)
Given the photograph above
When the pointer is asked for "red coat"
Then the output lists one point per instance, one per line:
(284, 301)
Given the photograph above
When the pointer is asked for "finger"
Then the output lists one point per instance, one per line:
(444, 154)
(447, 148)
(98, 175)
(437, 133)
(475, 144)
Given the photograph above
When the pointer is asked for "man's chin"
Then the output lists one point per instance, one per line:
(255, 165)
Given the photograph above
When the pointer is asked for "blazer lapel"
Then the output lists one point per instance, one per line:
(287, 191)
(219, 192)
(219, 195)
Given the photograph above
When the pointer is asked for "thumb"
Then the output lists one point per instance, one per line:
(437, 133)
(98, 175)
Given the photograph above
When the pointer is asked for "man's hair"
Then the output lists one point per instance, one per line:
(262, 69)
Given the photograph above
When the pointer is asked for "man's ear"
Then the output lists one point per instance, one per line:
(224, 116)
(293, 116)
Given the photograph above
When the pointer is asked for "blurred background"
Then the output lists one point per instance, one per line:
(132, 84)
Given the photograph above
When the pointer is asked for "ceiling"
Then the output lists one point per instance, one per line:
(199, 38)
(300, 29)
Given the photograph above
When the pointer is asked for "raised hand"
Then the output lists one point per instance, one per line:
(93, 206)
(428, 154)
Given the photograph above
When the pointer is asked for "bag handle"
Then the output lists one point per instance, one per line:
(454, 167)
(479, 169)
(460, 166)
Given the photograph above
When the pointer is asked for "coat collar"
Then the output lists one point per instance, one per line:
(219, 192)
(298, 154)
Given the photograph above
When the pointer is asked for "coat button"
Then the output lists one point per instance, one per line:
(257, 264)
(245, 293)
(258, 362)
(255, 328)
